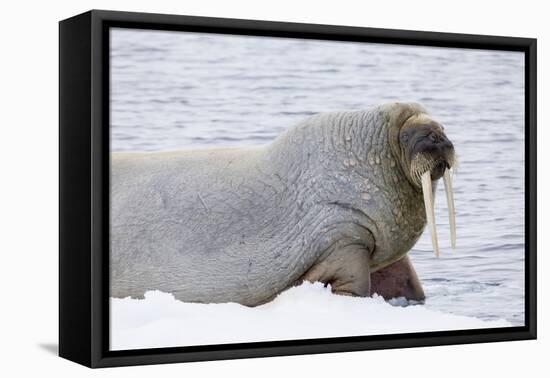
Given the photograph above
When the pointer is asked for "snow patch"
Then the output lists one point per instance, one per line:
(305, 312)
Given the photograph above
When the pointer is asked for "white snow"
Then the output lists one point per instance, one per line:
(304, 312)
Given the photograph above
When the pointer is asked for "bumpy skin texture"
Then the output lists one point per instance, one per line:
(326, 201)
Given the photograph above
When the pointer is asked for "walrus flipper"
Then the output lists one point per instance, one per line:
(346, 269)
(398, 280)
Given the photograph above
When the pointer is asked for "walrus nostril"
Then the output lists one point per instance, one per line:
(438, 139)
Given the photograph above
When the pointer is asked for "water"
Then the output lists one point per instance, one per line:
(176, 90)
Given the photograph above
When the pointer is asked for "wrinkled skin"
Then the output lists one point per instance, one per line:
(330, 200)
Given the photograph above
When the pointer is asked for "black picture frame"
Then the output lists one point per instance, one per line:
(84, 187)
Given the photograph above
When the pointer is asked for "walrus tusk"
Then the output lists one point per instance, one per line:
(429, 205)
(450, 205)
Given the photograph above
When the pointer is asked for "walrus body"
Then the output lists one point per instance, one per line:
(327, 201)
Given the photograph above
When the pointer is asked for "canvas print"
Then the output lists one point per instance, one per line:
(266, 189)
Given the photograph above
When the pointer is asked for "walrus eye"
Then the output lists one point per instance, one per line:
(404, 137)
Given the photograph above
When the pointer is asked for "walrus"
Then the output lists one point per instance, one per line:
(339, 198)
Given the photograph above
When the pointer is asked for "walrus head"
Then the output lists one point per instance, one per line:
(426, 148)
(426, 155)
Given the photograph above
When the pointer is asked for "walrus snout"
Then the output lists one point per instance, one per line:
(433, 144)
(428, 149)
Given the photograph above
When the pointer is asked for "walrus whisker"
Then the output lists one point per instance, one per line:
(429, 205)
(454, 164)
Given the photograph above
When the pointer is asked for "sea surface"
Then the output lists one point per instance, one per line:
(178, 90)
